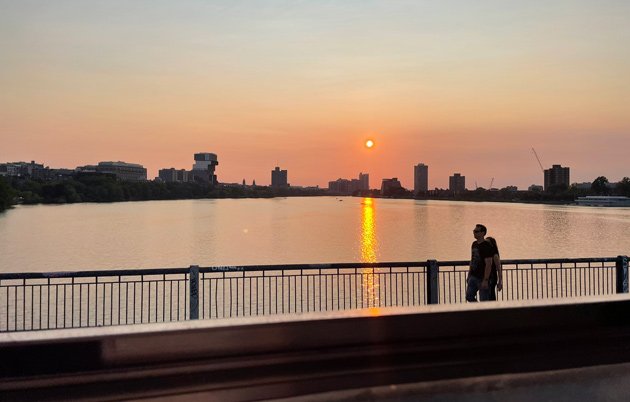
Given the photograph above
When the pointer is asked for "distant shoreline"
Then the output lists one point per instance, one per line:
(105, 189)
(514, 201)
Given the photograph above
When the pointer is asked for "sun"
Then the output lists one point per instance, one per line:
(369, 144)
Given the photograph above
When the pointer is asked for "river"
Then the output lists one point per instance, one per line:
(160, 234)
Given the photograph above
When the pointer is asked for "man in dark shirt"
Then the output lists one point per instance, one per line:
(480, 266)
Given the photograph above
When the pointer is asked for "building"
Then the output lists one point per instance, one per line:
(389, 186)
(87, 169)
(557, 177)
(173, 175)
(341, 186)
(123, 171)
(364, 181)
(457, 183)
(203, 168)
(420, 178)
(9, 169)
(345, 186)
(30, 170)
(535, 187)
(279, 178)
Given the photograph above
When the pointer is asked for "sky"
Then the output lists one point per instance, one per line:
(461, 86)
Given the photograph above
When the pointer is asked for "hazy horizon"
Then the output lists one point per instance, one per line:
(460, 86)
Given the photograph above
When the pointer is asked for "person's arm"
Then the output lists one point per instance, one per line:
(497, 263)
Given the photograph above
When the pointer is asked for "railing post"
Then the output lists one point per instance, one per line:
(622, 274)
(193, 278)
(432, 282)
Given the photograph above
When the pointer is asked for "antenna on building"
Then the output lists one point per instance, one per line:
(538, 159)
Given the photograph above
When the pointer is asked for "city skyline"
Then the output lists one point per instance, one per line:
(205, 165)
(461, 87)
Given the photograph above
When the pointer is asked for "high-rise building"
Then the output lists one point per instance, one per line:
(123, 171)
(364, 181)
(420, 178)
(457, 183)
(279, 178)
(203, 169)
(557, 176)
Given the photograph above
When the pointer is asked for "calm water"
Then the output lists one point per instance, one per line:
(295, 230)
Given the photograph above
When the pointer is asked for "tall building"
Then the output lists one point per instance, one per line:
(420, 178)
(203, 169)
(279, 178)
(557, 176)
(457, 183)
(364, 181)
(123, 171)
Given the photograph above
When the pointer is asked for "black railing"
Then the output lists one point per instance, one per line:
(34, 301)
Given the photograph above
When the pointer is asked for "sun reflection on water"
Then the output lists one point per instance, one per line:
(369, 248)
(368, 231)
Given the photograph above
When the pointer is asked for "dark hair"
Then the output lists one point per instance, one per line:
(482, 228)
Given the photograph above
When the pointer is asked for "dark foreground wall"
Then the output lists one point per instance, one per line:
(283, 356)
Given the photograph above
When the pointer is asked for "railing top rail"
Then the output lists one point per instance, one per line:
(283, 267)
(93, 273)
(535, 261)
(292, 267)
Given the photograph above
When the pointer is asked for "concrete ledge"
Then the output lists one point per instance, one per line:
(284, 356)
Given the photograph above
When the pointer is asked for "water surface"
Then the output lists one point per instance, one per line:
(295, 230)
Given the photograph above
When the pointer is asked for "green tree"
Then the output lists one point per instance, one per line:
(599, 186)
(623, 187)
(6, 194)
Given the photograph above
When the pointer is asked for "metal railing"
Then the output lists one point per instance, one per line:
(34, 301)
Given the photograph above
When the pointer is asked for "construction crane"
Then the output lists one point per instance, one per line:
(538, 159)
(491, 183)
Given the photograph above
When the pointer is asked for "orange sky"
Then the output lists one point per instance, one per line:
(462, 87)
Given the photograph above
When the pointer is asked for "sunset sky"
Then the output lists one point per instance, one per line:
(462, 86)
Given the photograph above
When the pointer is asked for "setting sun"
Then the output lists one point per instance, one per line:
(369, 144)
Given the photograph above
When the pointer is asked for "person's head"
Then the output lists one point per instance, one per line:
(493, 241)
(479, 231)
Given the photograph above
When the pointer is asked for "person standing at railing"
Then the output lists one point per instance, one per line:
(480, 266)
(496, 275)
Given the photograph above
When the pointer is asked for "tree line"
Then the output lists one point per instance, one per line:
(106, 188)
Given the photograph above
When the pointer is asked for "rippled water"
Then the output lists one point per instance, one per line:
(295, 230)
